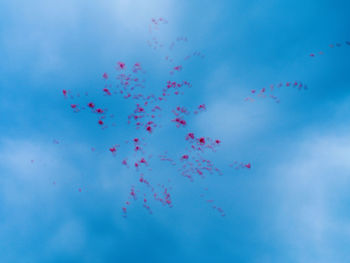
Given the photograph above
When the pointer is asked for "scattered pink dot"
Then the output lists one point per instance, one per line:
(121, 65)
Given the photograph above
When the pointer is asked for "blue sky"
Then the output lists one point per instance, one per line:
(292, 206)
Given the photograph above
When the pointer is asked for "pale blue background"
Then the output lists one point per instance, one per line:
(293, 206)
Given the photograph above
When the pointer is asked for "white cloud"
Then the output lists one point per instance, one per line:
(232, 122)
(136, 15)
(33, 38)
(312, 186)
(229, 116)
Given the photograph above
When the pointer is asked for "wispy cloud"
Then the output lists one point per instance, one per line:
(312, 186)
